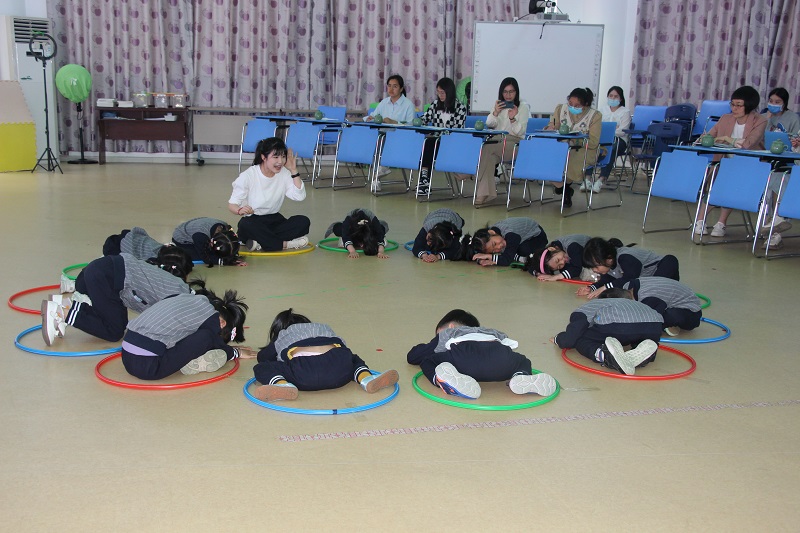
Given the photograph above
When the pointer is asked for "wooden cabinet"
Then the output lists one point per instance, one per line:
(145, 124)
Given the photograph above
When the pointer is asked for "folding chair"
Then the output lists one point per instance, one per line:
(540, 159)
(458, 153)
(402, 148)
(710, 111)
(658, 139)
(681, 176)
(252, 132)
(643, 116)
(304, 139)
(357, 145)
(608, 140)
(740, 183)
(685, 115)
(536, 124)
(788, 207)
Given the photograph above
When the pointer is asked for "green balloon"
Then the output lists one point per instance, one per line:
(74, 82)
(461, 90)
(417, 121)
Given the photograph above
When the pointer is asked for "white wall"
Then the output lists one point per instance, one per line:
(619, 19)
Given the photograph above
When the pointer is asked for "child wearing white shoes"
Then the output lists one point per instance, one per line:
(599, 329)
(258, 195)
(463, 353)
(361, 230)
(307, 356)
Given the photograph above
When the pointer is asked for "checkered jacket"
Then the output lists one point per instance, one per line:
(434, 118)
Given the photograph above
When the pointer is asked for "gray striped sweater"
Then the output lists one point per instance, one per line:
(442, 215)
(146, 284)
(674, 294)
(184, 232)
(139, 244)
(172, 320)
(525, 227)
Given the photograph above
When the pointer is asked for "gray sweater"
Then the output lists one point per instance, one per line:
(146, 284)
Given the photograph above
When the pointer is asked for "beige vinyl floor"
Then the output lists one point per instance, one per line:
(715, 451)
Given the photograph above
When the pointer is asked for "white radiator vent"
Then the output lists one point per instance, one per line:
(24, 28)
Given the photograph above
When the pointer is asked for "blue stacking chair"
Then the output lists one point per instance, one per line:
(357, 145)
(608, 140)
(331, 133)
(252, 132)
(472, 119)
(708, 115)
(457, 153)
(772, 136)
(659, 137)
(685, 115)
(680, 176)
(643, 116)
(304, 138)
(740, 183)
(536, 124)
(788, 207)
(402, 148)
(539, 159)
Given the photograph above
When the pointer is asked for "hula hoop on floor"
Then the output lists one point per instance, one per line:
(164, 386)
(409, 246)
(279, 253)
(706, 299)
(639, 378)
(71, 268)
(24, 348)
(575, 281)
(29, 291)
(392, 246)
(298, 411)
(725, 335)
(480, 407)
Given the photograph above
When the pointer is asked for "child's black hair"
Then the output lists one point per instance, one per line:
(283, 320)
(267, 146)
(223, 248)
(362, 233)
(616, 292)
(174, 260)
(534, 262)
(460, 317)
(442, 236)
(598, 251)
(232, 310)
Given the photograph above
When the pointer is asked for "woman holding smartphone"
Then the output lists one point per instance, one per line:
(511, 115)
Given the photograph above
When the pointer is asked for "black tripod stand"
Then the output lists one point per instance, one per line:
(40, 55)
(82, 160)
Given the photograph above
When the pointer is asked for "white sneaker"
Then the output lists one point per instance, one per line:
(775, 242)
(585, 185)
(628, 361)
(296, 243)
(452, 382)
(67, 285)
(672, 331)
(253, 246)
(541, 384)
(781, 225)
(80, 297)
(597, 187)
(718, 230)
(270, 393)
(52, 317)
(63, 301)
(211, 361)
(383, 171)
(699, 228)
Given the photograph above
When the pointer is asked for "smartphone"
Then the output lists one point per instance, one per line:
(508, 104)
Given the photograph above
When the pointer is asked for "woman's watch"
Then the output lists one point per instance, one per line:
(296, 175)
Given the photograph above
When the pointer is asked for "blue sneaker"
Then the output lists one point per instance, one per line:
(456, 384)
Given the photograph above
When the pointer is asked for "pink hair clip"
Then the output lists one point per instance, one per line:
(233, 334)
(541, 261)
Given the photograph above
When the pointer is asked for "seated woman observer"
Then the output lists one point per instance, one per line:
(509, 114)
(444, 112)
(395, 108)
(579, 116)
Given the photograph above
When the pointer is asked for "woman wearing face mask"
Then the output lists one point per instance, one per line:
(613, 110)
(509, 114)
(581, 118)
(780, 118)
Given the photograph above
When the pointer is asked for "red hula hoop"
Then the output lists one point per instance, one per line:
(29, 291)
(171, 386)
(641, 378)
(575, 281)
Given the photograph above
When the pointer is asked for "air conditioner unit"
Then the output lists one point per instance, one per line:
(21, 66)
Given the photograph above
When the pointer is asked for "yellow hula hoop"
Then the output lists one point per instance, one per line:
(282, 253)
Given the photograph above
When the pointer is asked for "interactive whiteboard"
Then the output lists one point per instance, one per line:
(547, 59)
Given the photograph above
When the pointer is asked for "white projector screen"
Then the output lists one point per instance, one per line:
(547, 59)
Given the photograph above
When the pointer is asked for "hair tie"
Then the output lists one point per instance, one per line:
(233, 334)
(362, 222)
(541, 261)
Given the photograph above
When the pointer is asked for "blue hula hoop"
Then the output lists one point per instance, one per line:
(198, 262)
(722, 337)
(297, 411)
(409, 246)
(19, 345)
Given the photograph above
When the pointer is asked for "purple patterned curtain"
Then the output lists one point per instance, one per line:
(784, 52)
(704, 49)
(283, 54)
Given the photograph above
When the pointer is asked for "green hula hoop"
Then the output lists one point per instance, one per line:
(479, 407)
(392, 246)
(706, 299)
(73, 267)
